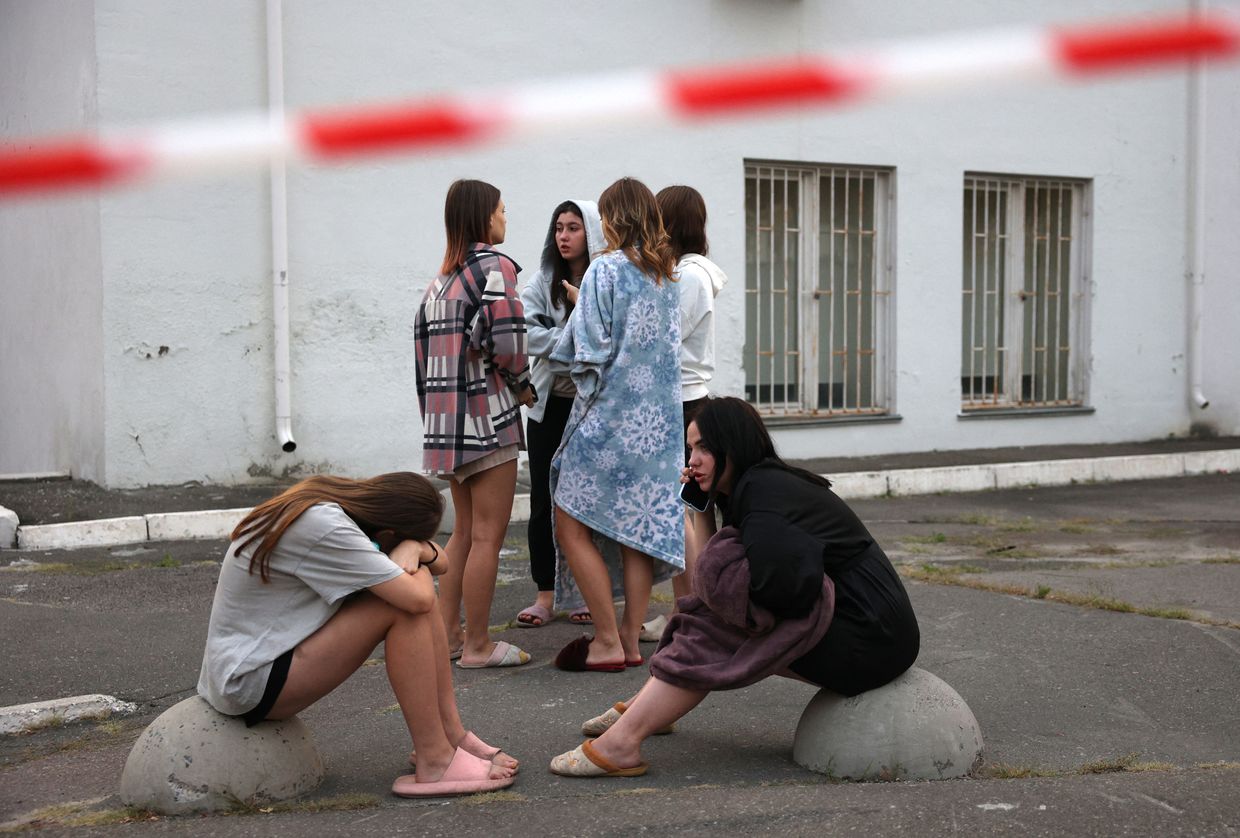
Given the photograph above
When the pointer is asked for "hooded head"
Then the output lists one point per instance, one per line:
(555, 267)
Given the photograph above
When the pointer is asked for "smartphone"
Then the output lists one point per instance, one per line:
(692, 496)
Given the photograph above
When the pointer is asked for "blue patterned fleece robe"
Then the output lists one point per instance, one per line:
(618, 467)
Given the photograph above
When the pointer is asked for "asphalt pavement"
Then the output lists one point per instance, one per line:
(1093, 629)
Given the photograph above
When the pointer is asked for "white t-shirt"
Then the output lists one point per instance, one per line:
(321, 558)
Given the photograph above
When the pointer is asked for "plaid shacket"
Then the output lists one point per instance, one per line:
(471, 361)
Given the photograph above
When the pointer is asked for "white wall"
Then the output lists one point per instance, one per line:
(186, 265)
(51, 369)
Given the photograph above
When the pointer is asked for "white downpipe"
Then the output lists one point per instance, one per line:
(1196, 219)
(279, 229)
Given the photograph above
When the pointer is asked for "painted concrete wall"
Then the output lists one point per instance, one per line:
(51, 328)
(186, 266)
(1221, 371)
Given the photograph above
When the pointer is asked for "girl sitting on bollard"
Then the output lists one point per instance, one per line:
(793, 585)
(314, 579)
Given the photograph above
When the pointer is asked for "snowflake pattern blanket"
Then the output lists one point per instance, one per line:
(618, 466)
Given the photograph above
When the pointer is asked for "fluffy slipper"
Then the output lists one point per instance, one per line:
(580, 616)
(584, 761)
(600, 724)
(504, 654)
(652, 631)
(536, 616)
(572, 658)
(467, 774)
(472, 744)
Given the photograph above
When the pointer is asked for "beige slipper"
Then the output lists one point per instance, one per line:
(600, 724)
(584, 761)
(652, 630)
(504, 654)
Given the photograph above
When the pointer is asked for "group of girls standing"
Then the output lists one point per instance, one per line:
(620, 323)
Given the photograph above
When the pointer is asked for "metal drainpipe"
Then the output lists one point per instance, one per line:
(279, 229)
(1196, 217)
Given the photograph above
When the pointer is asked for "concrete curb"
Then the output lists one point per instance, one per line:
(22, 718)
(218, 523)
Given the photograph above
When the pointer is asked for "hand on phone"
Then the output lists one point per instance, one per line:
(693, 496)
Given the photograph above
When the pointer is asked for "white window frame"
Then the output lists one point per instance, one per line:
(1002, 366)
(802, 355)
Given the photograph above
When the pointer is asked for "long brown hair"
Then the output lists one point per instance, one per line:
(402, 501)
(684, 217)
(467, 215)
(561, 272)
(631, 224)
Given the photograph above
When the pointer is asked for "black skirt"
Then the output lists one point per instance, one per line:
(873, 636)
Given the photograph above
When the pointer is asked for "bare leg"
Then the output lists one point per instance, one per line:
(448, 711)
(326, 658)
(458, 549)
(656, 706)
(491, 494)
(590, 571)
(638, 580)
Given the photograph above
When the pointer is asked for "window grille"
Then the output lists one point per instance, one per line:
(1023, 293)
(817, 284)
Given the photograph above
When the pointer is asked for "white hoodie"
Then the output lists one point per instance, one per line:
(701, 280)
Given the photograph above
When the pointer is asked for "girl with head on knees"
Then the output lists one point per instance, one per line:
(472, 378)
(684, 217)
(618, 523)
(314, 579)
(575, 235)
(792, 585)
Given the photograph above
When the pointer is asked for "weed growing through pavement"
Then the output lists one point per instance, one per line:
(1003, 771)
(79, 814)
(168, 561)
(1222, 560)
(493, 797)
(937, 575)
(933, 538)
(339, 803)
(52, 722)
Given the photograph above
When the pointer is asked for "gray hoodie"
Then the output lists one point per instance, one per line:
(544, 322)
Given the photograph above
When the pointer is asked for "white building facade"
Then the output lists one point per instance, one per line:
(1000, 265)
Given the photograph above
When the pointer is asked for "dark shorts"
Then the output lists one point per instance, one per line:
(275, 683)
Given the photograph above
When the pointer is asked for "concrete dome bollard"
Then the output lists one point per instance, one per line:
(195, 759)
(915, 728)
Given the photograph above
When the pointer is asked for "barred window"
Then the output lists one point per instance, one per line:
(1024, 294)
(817, 285)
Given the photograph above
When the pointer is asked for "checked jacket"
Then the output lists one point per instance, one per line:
(471, 361)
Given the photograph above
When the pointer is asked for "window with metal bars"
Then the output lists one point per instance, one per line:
(817, 289)
(1024, 300)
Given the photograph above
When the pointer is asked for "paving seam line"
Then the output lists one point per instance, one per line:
(218, 523)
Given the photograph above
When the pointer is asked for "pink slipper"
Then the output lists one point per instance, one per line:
(536, 616)
(467, 774)
(580, 616)
(472, 744)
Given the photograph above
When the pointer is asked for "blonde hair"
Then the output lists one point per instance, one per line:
(631, 224)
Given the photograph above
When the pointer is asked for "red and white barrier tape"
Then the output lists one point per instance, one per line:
(907, 67)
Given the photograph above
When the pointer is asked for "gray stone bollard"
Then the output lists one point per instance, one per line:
(195, 759)
(915, 728)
